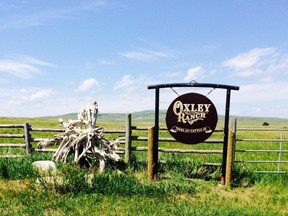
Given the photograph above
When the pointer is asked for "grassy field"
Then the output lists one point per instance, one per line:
(147, 117)
(181, 190)
(185, 186)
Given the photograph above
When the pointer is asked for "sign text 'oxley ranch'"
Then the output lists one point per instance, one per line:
(191, 118)
(190, 112)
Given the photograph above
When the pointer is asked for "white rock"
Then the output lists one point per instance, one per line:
(45, 167)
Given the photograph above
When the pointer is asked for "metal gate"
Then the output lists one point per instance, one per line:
(262, 150)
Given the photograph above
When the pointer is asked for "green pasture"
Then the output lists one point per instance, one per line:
(186, 186)
(242, 122)
(182, 189)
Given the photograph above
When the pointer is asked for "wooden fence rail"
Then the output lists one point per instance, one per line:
(125, 136)
(130, 135)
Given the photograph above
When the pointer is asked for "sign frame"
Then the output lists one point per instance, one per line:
(193, 84)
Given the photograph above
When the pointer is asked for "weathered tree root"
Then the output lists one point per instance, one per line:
(83, 140)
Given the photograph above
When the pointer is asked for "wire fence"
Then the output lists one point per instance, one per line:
(264, 150)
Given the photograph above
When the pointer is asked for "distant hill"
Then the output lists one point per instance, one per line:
(143, 116)
(148, 117)
(258, 121)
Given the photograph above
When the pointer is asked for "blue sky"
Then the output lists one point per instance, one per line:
(58, 55)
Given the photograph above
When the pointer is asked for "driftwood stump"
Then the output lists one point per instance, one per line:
(83, 140)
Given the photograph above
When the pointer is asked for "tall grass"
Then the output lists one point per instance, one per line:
(129, 193)
(20, 168)
(186, 186)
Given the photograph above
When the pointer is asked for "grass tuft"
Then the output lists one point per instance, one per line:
(16, 168)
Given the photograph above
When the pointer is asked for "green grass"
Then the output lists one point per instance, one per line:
(182, 189)
(185, 186)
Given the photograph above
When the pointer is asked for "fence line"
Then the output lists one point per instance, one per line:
(25, 136)
(127, 137)
(280, 150)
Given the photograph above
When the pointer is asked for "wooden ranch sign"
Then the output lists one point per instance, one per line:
(191, 118)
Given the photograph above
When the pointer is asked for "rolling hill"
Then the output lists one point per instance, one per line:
(148, 117)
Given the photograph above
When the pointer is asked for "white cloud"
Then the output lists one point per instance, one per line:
(130, 89)
(145, 55)
(23, 66)
(41, 94)
(262, 96)
(16, 68)
(36, 103)
(278, 64)
(261, 99)
(88, 84)
(262, 92)
(125, 82)
(248, 72)
(92, 65)
(249, 59)
(38, 95)
(194, 74)
(260, 64)
(32, 60)
(48, 13)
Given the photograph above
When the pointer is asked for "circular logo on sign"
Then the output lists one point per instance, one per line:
(191, 118)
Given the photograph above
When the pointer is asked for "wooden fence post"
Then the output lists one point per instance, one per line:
(128, 139)
(27, 138)
(230, 153)
(152, 163)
